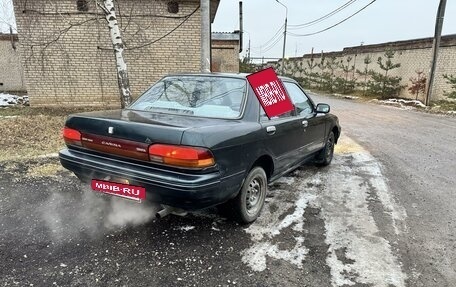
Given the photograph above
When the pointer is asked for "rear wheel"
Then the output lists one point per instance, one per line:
(325, 156)
(247, 205)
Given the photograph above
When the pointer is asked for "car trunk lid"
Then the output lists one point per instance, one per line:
(127, 133)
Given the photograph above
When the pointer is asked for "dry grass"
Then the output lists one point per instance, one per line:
(23, 137)
(444, 106)
(29, 132)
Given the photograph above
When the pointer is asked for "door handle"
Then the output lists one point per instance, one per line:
(271, 130)
(305, 124)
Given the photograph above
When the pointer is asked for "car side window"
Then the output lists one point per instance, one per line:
(264, 117)
(300, 100)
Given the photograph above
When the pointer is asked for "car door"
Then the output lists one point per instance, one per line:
(282, 139)
(312, 132)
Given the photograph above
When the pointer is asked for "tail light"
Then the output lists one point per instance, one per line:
(71, 136)
(183, 156)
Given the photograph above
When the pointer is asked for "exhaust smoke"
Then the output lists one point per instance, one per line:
(82, 212)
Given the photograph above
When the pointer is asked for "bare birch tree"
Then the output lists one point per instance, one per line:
(118, 46)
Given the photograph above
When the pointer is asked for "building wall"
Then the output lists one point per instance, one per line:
(68, 58)
(11, 72)
(413, 55)
(225, 56)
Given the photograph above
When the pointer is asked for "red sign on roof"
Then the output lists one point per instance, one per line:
(270, 92)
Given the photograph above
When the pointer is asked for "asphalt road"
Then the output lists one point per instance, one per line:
(380, 215)
(418, 153)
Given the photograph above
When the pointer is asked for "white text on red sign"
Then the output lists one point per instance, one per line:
(114, 188)
(271, 93)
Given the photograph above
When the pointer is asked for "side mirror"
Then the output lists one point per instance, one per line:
(323, 108)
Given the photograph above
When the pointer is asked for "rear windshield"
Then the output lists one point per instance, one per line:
(199, 96)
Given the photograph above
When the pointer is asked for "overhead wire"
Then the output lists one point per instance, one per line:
(272, 45)
(322, 18)
(273, 38)
(332, 26)
(167, 34)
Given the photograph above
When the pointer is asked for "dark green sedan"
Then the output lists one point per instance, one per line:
(193, 141)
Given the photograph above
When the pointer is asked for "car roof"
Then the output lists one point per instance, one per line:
(231, 75)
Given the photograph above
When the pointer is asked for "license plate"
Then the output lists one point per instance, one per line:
(128, 191)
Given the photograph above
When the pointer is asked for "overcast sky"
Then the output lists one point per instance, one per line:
(382, 21)
(6, 16)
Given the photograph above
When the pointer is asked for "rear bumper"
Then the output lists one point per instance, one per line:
(177, 189)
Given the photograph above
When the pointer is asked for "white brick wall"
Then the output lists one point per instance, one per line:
(225, 56)
(78, 68)
(11, 73)
(413, 55)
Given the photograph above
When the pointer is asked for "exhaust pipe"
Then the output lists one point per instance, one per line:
(163, 212)
(168, 210)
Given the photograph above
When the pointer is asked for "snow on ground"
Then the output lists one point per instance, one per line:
(7, 100)
(348, 97)
(186, 228)
(344, 194)
(401, 103)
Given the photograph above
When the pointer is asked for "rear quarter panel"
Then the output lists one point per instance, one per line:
(236, 144)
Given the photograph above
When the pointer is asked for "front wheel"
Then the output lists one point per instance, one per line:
(247, 205)
(325, 156)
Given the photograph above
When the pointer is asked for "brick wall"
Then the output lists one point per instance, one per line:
(225, 52)
(11, 73)
(67, 54)
(413, 55)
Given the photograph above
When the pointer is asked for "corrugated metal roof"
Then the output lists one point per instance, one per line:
(226, 36)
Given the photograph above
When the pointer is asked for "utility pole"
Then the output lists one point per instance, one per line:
(249, 51)
(241, 28)
(284, 37)
(435, 50)
(205, 37)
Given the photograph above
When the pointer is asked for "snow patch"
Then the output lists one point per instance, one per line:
(7, 100)
(403, 104)
(255, 256)
(269, 226)
(343, 193)
(346, 97)
(285, 179)
(350, 225)
(186, 228)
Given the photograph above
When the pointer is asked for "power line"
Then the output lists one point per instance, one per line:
(278, 33)
(332, 26)
(324, 17)
(167, 34)
(272, 45)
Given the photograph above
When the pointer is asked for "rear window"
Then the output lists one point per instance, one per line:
(200, 96)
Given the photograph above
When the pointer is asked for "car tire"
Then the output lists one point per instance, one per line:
(325, 156)
(247, 205)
